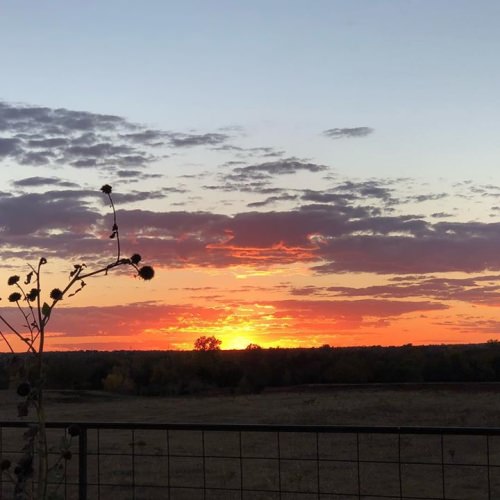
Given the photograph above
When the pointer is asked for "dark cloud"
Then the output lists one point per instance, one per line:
(341, 133)
(473, 325)
(33, 214)
(478, 290)
(266, 152)
(43, 136)
(328, 197)
(258, 178)
(43, 181)
(273, 199)
(427, 197)
(9, 147)
(441, 215)
(343, 235)
(34, 135)
(355, 308)
(136, 176)
(281, 167)
(367, 189)
(179, 140)
(148, 136)
(432, 249)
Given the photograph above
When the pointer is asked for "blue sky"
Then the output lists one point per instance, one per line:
(421, 73)
(286, 145)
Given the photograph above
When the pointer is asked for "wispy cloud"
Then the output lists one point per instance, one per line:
(42, 136)
(43, 181)
(348, 133)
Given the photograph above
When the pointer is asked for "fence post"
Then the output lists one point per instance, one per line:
(82, 464)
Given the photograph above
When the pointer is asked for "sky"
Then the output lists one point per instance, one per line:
(298, 173)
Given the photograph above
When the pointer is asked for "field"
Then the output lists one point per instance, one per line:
(203, 464)
(468, 405)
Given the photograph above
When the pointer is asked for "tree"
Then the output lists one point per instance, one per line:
(36, 307)
(207, 343)
(253, 347)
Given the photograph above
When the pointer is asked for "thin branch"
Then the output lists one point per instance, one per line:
(30, 325)
(7, 342)
(115, 228)
(41, 329)
(15, 332)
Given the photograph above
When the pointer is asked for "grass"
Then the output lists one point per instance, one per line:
(463, 405)
(469, 405)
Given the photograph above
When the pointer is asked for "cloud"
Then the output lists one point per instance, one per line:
(420, 198)
(43, 181)
(48, 136)
(9, 147)
(336, 233)
(181, 324)
(179, 140)
(367, 189)
(342, 133)
(483, 290)
(354, 308)
(473, 324)
(249, 152)
(271, 200)
(32, 214)
(258, 178)
(38, 136)
(280, 167)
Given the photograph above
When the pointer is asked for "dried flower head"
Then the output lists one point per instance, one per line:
(14, 297)
(135, 259)
(74, 430)
(56, 294)
(106, 189)
(23, 389)
(146, 273)
(13, 280)
(33, 294)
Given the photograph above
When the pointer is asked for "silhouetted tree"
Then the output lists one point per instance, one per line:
(207, 343)
(253, 347)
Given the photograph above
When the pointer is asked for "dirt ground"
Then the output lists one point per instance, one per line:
(471, 405)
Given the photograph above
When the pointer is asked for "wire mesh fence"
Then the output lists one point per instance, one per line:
(268, 462)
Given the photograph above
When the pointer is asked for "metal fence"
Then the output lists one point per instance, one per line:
(117, 461)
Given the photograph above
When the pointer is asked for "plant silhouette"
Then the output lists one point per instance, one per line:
(204, 343)
(31, 473)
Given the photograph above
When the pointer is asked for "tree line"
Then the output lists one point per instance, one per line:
(158, 373)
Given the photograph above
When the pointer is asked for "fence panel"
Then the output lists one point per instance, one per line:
(267, 462)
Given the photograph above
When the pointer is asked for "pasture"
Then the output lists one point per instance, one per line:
(182, 464)
(454, 405)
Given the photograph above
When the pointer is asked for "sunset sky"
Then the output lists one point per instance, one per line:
(298, 173)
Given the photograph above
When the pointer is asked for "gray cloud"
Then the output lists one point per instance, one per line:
(9, 147)
(179, 140)
(43, 181)
(257, 178)
(273, 199)
(342, 133)
(266, 152)
(279, 167)
(334, 238)
(367, 189)
(32, 214)
(34, 135)
(476, 289)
